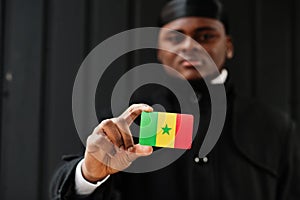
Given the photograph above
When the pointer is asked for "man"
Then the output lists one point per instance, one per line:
(255, 157)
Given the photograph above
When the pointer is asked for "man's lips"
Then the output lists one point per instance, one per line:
(191, 63)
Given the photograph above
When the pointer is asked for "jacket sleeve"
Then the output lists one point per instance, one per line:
(62, 186)
(289, 180)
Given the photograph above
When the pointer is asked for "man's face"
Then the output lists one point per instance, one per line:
(209, 33)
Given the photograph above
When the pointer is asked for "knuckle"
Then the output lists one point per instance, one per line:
(96, 129)
(89, 139)
(121, 120)
(94, 138)
(134, 107)
(106, 122)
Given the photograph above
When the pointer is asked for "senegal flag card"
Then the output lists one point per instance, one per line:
(162, 129)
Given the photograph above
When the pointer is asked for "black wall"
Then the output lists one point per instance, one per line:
(43, 42)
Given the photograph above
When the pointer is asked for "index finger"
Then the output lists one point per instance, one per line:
(134, 111)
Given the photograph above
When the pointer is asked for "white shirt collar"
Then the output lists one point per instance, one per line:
(221, 78)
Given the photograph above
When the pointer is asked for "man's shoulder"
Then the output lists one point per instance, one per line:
(261, 133)
(260, 114)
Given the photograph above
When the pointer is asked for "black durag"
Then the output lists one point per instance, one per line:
(193, 8)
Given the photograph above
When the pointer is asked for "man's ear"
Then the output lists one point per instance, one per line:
(229, 48)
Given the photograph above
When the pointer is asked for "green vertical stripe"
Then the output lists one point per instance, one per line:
(148, 128)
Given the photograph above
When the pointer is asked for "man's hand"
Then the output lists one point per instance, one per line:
(110, 148)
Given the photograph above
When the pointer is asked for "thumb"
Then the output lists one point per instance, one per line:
(141, 150)
(138, 151)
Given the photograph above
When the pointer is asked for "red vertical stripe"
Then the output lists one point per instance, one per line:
(184, 131)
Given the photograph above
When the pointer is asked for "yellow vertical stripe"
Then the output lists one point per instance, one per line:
(166, 128)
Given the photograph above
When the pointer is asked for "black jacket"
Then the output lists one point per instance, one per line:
(256, 157)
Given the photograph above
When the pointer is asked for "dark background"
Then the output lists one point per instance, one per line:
(43, 42)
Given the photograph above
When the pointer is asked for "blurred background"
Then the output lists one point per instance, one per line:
(43, 42)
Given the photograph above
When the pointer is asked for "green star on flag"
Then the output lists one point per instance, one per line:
(166, 129)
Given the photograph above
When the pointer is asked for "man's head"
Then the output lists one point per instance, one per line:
(202, 20)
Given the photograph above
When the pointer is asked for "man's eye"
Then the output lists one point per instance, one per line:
(175, 39)
(205, 37)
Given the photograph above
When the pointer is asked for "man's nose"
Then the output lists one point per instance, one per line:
(189, 45)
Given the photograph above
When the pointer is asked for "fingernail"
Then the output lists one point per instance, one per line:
(130, 149)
